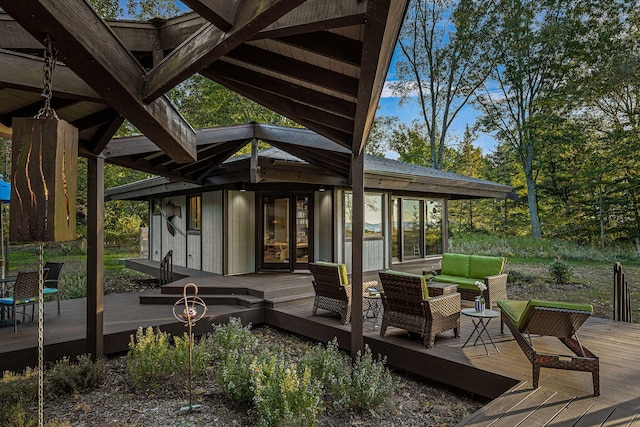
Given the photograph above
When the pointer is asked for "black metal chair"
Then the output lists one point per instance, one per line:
(51, 280)
(23, 293)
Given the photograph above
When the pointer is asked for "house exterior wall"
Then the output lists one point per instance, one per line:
(194, 251)
(240, 254)
(178, 242)
(155, 234)
(323, 220)
(212, 232)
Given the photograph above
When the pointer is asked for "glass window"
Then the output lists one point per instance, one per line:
(411, 220)
(433, 227)
(156, 206)
(372, 214)
(195, 212)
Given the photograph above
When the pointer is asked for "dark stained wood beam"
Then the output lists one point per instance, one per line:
(26, 72)
(220, 13)
(215, 155)
(105, 132)
(337, 163)
(296, 69)
(32, 109)
(95, 54)
(380, 35)
(210, 43)
(289, 109)
(95, 119)
(283, 88)
(328, 44)
(316, 15)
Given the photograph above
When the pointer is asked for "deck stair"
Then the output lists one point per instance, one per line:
(219, 290)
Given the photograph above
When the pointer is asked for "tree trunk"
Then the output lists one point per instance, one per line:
(536, 229)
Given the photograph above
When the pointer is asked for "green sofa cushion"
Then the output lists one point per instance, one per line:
(423, 281)
(455, 265)
(342, 269)
(520, 311)
(463, 282)
(483, 266)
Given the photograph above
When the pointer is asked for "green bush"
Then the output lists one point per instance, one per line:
(282, 396)
(73, 285)
(560, 271)
(65, 377)
(149, 361)
(201, 356)
(232, 336)
(371, 381)
(233, 374)
(518, 277)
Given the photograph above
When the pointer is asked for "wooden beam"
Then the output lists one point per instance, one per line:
(32, 109)
(95, 119)
(95, 54)
(289, 109)
(26, 72)
(221, 14)
(210, 43)
(283, 88)
(357, 243)
(255, 168)
(327, 44)
(380, 35)
(303, 71)
(105, 132)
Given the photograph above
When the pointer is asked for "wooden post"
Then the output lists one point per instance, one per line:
(43, 177)
(621, 295)
(357, 238)
(95, 257)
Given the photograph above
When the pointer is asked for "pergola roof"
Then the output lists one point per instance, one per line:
(321, 63)
(296, 155)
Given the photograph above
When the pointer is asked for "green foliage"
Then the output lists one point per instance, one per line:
(73, 285)
(65, 377)
(520, 278)
(201, 356)
(18, 393)
(560, 271)
(233, 374)
(232, 336)
(282, 396)
(360, 386)
(149, 361)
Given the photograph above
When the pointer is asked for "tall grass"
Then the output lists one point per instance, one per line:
(528, 248)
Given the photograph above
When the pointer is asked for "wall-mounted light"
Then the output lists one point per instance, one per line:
(321, 189)
(243, 187)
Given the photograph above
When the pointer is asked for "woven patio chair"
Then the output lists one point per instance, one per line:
(24, 292)
(333, 292)
(549, 318)
(51, 280)
(406, 305)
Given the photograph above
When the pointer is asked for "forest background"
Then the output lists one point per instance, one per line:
(557, 84)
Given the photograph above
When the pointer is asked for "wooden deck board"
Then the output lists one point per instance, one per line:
(564, 398)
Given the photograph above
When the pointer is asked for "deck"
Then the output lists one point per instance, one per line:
(503, 376)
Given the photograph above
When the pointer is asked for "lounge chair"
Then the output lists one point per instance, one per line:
(407, 305)
(559, 319)
(333, 291)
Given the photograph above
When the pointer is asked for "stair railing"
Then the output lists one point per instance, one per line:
(166, 269)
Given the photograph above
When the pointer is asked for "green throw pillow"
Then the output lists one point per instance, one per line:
(342, 270)
(455, 265)
(483, 266)
(423, 281)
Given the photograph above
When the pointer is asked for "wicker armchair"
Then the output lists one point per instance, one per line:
(333, 291)
(559, 319)
(405, 308)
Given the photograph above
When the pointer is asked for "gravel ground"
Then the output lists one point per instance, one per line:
(415, 402)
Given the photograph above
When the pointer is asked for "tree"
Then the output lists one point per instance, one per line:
(539, 48)
(443, 62)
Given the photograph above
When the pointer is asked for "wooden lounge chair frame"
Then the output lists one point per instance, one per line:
(563, 324)
(405, 308)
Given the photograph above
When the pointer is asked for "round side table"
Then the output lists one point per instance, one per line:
(480, 321)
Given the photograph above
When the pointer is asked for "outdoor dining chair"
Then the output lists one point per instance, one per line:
(51, 280)
(23, 293)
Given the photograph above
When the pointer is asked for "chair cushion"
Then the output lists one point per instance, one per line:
(342, 270)
(9, 301)
(6, 301)
(50, 291)
(455, 265)
(423, 281)
(520, 311)
(483, 266)
(462, 282)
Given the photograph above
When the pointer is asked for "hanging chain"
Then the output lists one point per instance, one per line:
(41, 337)
(50, 55)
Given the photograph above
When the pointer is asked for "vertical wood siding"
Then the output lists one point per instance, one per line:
(241, 232)
(323, 220)
(193, 251)
(178, 242)
(373, 255)
(212, 232)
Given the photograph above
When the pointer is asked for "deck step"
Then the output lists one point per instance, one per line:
(286, 301)
(170, 289)
(248, 301)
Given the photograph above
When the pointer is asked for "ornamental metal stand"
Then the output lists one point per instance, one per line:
(189, 315)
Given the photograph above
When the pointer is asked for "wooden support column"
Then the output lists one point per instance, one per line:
(357, 236)
(95, 256)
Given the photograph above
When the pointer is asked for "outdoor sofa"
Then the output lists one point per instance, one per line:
(465, 270)
(407, 305)
(551, 318)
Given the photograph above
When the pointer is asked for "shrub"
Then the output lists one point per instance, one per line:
(282, 396)
(518, 277)
(332, 368)
(233, 375)
(149, 361)
(560, 271)
(201, 356)
(371, 381)
(66, 378)
(74, 285)
(232, 336)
